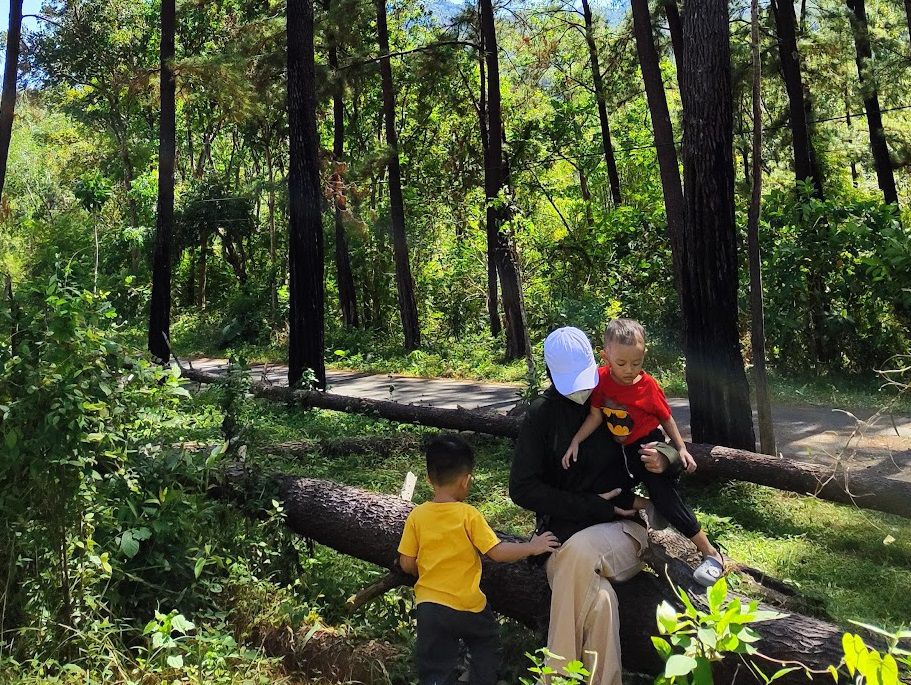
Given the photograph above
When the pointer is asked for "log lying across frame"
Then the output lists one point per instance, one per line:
(836, 484)
(368, 526)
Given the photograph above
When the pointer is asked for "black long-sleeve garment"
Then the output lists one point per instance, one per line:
(566, 500)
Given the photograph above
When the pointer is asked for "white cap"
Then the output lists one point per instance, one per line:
(568, 355)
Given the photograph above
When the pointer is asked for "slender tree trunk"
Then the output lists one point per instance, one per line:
(851, 137)
(270, 203)
(203, 271)
(881, 160)
(346, 292)
(908, 15)
(305, 240)
(494, 183)
(663, 131)
(493, 309)
(10, 75)
(598, 83)
(676, 29)
(757, 315)
(404, 283)
(805, 166)
(160, 306)
(718, 389)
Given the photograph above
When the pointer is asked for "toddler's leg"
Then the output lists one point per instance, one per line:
(436, 647)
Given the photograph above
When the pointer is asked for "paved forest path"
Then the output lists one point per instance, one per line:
(804, 432)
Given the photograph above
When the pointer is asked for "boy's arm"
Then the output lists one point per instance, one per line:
(515, 551)
(408, 564)
(670, 427)
(589, 426)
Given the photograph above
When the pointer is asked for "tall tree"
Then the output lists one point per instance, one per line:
(305, 227)
(675, 27)
(757, 315)
(662, 128)
(805, 166)
(494, 183)
(881, 160)
(717, 384)
(160, 306)
(408, 308)
(10, 74)
(346, 292)
(493, 308)
(598, 82)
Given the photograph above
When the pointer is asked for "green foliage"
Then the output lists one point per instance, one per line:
(868, 666)
(543, 662)
(698, 638)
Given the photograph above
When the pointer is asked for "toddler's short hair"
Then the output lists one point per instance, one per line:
(624, 331)
(448, 458)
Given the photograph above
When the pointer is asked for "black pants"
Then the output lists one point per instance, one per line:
(662, 488)
(437, 649)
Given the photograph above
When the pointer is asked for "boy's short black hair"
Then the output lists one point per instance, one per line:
(448, 458)
(624, 331)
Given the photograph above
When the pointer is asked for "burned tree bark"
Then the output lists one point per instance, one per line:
(368, 526)
(10, 77)
(836, 484)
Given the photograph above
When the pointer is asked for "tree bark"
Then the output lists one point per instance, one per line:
(718, 389)
(160, 305)
(598, 83)
(408, 309)
(662, 130)
(757, 314)
(864, 57)
(368, 526)
(908, 15)
(837, 483)
(305, 241)
(805, 166)
(676, 30)
(10, 77)
(494, 183)
(347, 294)
(493, 309)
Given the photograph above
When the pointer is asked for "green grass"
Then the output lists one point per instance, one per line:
(833, 553)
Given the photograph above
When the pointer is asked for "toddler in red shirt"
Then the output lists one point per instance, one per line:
(634, 409)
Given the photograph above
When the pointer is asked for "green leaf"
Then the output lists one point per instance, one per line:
(679, 665)
(200, 564)
(888, 672)
(703, 673)
(662, 647)
(717, 594)
(128, 545)
(833, 672)
(175, 661)
(181, 624)
(667, 618)
(707, 636)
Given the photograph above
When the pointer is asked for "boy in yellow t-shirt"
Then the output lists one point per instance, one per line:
(441, 545)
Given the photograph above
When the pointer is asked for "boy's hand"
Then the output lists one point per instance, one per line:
(545, 543)
(572, 452)
(624, 513)
(689, 464)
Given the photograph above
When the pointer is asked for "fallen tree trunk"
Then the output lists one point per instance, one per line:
(838, 483)
(368, 526)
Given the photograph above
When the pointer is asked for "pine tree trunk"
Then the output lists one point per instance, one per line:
(346, 292)
(757, 315)
(805, 166)
(676, 29)
(494, 183)
(908, 15)
(881, 161)
(493, 309)
(598, 83)
(10, 76)
(663, 131)
(404, 283)
(305, 239)
(718, 390)
(160, 306)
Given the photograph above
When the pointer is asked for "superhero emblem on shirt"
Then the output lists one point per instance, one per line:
(619, 422)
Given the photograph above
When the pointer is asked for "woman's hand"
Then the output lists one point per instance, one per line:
(572, 453)
(624, 513)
